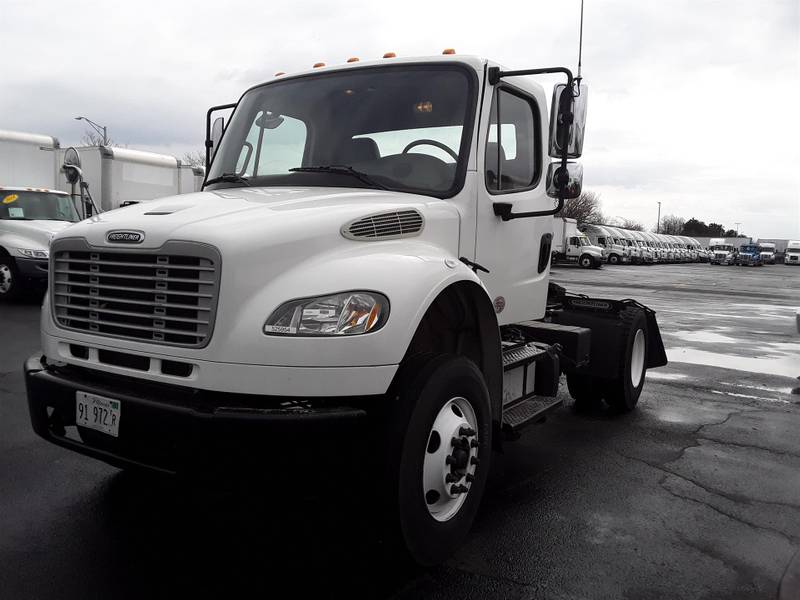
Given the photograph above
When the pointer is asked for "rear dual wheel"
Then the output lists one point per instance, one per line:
(623, 391)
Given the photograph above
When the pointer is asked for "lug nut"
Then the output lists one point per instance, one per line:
(449, 460)
(473, 443)
(451, 478)
(459, 443)
(458, 489)
(467, 431)
(475, 461)
(470, 477)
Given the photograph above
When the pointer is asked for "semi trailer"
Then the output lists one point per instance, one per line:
(369, 259)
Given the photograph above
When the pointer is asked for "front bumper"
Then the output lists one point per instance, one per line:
(32, 268)
(174, 429)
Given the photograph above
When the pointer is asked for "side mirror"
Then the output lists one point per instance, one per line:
(216, 134)
(567, 121)
(569, 180)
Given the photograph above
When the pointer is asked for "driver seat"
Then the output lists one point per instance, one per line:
(359, 150)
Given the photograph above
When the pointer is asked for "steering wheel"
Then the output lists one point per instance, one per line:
(439, 145)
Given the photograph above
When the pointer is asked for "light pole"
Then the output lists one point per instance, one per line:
(737, 229)
(658, 225)
(101, 129)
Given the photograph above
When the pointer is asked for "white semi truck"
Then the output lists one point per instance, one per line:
(370, 256)
(573, 246)
(792, 254)
(767, 253)
(599, 236)
(724, 253)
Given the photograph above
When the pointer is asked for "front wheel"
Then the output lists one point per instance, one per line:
(10, 287)
(439, 453)
(613, 259)
(586, 261)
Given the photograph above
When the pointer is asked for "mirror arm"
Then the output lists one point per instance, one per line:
(504, 209)
(209, 143)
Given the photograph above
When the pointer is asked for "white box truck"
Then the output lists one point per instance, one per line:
(121, 175)
(573, 246)
(370, 256)
(28, 160)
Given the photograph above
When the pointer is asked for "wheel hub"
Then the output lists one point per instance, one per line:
(451, 459)
(5, 279)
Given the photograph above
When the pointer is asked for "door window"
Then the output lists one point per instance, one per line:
(513, 160)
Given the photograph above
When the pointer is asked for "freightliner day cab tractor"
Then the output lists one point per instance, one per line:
(792, 254)
(370, 253)
(723, 253)
(29, 217)
(599, 236)
(767, 253)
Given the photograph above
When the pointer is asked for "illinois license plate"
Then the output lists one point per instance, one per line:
(97, 412)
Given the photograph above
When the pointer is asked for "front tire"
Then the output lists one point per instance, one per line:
(440, 435)
(10, 284)
(586, 261)
(613, 259)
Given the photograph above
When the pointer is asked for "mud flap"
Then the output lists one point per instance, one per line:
(602, 316)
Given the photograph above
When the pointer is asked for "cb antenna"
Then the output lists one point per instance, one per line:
(580, 53)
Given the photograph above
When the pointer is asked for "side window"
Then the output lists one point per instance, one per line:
(573, 241)
(274, 144)
(512, 149)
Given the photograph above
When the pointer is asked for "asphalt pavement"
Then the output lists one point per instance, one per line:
(696, 494)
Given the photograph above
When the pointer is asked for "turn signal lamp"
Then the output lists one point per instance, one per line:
(390, 55)
(352, 59)
(318, 65)
(449, 51)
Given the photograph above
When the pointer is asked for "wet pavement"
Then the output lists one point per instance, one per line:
(696, 494)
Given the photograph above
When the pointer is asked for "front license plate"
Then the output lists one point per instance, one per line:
(97, 412)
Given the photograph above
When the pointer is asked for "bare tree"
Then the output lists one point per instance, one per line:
(195, 158)
(585, 208)
(671, 225)
(92, 138)
(625, 223)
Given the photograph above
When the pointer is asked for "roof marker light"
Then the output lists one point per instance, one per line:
(279, 73)
(318, 65)
(449, 51)
(352, 59)
(390, 55)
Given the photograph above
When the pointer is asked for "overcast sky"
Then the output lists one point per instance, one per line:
(692, 102)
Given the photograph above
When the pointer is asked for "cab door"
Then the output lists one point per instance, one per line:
(511, 169)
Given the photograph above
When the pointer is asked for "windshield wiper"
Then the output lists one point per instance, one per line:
(228, 178)
(341, 170)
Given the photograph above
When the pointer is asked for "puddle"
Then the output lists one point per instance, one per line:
(785, 366)
(703, 336)
(760, 388)
(665, 376)
(749, 397)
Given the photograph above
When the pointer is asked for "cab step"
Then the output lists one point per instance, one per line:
(525, 412)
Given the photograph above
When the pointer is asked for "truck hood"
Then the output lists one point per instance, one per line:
(252, 218)
(35, 235)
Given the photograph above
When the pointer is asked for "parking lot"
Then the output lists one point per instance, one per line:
(696, 494)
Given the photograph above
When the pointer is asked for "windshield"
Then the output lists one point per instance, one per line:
(584, 241)
(39, 206)
(405, 127)
(723, 247)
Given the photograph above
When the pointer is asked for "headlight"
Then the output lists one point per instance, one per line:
(347, 313)
(32, 253)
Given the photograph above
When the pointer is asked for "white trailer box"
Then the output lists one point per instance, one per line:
(28, 160)
(190, 178)
(116, 175)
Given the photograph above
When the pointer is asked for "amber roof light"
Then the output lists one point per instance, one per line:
(318, 65)
(449, 51)
(390, 55)
(352, 59)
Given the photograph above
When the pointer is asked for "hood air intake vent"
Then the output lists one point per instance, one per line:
(386, 225)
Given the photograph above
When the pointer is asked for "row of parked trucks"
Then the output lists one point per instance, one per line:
(592, 245)
(753, 254)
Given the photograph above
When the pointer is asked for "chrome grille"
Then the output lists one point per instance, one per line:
(166, 295)
(394, 224)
